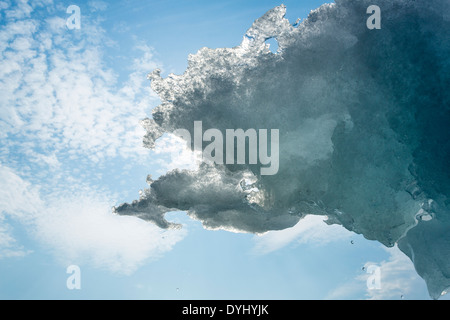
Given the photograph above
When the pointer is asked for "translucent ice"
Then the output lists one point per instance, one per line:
(364, 121)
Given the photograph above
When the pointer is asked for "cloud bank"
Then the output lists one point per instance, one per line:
(363, 118)
(64, 118)
(398, 280)
(78, 227)
(311, 230)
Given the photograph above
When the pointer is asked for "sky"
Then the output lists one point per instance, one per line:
(71, 149)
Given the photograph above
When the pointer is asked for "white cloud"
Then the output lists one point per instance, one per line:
(98, 5)
(398, 280)
(56, 91)
(18, 198)
(78, 227)
(346, 291)
(312, 230)
(3, 5)
(83, 230)
(61, 105)
(173, 153)
(398, 277)
(9, 248)
(22, 10)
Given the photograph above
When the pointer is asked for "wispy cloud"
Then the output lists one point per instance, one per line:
(63, 116)
(98, 5)
(311, 230)
(9, 247)
(57, 91)
(82, 230)
(78, 227)
(398, 280)
(173, 153)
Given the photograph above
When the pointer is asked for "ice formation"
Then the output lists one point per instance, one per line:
(364, 121)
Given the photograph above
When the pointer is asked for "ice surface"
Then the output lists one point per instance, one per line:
(364, 128)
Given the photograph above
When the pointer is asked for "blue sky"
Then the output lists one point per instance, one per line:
(71, 148)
